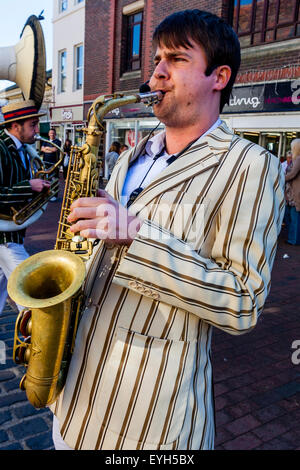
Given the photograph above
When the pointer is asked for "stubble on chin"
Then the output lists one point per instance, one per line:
(167, 113)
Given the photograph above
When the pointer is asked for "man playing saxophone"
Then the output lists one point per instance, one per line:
(21, 123)
(189, 224)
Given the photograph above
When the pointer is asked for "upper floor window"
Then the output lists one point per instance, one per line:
(62, 67)
(133, 41)
(262, 21)
(78, 62)
(63, 5)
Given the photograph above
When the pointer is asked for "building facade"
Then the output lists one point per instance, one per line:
(265, 103)
(68, 65)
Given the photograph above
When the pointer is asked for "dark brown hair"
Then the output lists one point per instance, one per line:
(219, 41)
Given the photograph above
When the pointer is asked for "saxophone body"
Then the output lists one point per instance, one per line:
(51, 283)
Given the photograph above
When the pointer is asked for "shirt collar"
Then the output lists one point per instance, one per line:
(155, 145)
(16, 141)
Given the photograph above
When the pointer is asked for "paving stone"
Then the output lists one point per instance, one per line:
(242, 425)
(245, 442)
(29, 427)
(42, 441)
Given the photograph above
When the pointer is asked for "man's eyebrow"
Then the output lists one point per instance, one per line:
(172, 54)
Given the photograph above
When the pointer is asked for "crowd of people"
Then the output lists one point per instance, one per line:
(50, 154)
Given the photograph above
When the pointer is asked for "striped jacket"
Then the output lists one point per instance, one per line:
(141, 375)
(15, 189)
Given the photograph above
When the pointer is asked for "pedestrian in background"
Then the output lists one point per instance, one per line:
(287, 162)
(67, 152)
(286, 166)
(124, 147)
(112, 156)
(292, 193)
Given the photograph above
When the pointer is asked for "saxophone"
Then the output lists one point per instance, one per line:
(51, 283)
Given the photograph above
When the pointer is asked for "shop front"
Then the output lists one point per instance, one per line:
(68, 123)
(129, 124)
(266, 113)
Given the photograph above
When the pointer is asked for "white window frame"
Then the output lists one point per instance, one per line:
(60, 71)
(63, 6)
(77, 68)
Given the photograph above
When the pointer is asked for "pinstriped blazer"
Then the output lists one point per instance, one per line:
(15, 189)
(141, 376)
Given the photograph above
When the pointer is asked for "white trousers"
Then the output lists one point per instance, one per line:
(11, 255)
(59, 443)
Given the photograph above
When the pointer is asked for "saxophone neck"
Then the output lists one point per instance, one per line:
(105, 103)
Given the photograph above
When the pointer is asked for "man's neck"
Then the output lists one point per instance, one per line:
(14, 137)
(178, 138)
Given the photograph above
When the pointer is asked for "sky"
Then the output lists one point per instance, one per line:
(14, 14)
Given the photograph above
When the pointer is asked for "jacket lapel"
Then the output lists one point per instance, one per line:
(200, 157)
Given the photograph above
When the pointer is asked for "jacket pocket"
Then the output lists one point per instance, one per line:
(184, 215)
(144, 391)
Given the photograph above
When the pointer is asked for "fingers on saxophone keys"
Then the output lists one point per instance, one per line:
(83, 224)
(87, 202)
(82, 213)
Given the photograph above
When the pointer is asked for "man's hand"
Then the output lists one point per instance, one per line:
(48, 149)
(104, 218)
(39, 185)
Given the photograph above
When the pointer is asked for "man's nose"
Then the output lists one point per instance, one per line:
(162, 70)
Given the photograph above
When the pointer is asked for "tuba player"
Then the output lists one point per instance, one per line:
(17, 187)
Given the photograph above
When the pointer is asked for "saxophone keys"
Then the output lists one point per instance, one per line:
(22, 383)
(25, 323)
(21, 353)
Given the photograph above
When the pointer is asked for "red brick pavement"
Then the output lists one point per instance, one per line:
(257, 387)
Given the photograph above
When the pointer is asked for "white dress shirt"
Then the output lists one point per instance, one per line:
(19, 146)
(144, 163)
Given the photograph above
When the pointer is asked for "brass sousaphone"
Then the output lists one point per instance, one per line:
(25, 64)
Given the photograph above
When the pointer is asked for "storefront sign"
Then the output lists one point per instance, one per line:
(67, 115)
(266, 97)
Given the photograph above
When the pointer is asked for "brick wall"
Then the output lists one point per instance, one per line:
(103, 54)
(104, 42)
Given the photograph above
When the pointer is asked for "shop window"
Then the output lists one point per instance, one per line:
(252, 136)
(132, 42)
(62, 66)
(262, 21)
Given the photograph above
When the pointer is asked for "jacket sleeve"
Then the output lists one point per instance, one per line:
(229, 289)
(16, 193)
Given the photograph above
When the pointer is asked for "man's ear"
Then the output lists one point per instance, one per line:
(222, 77)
